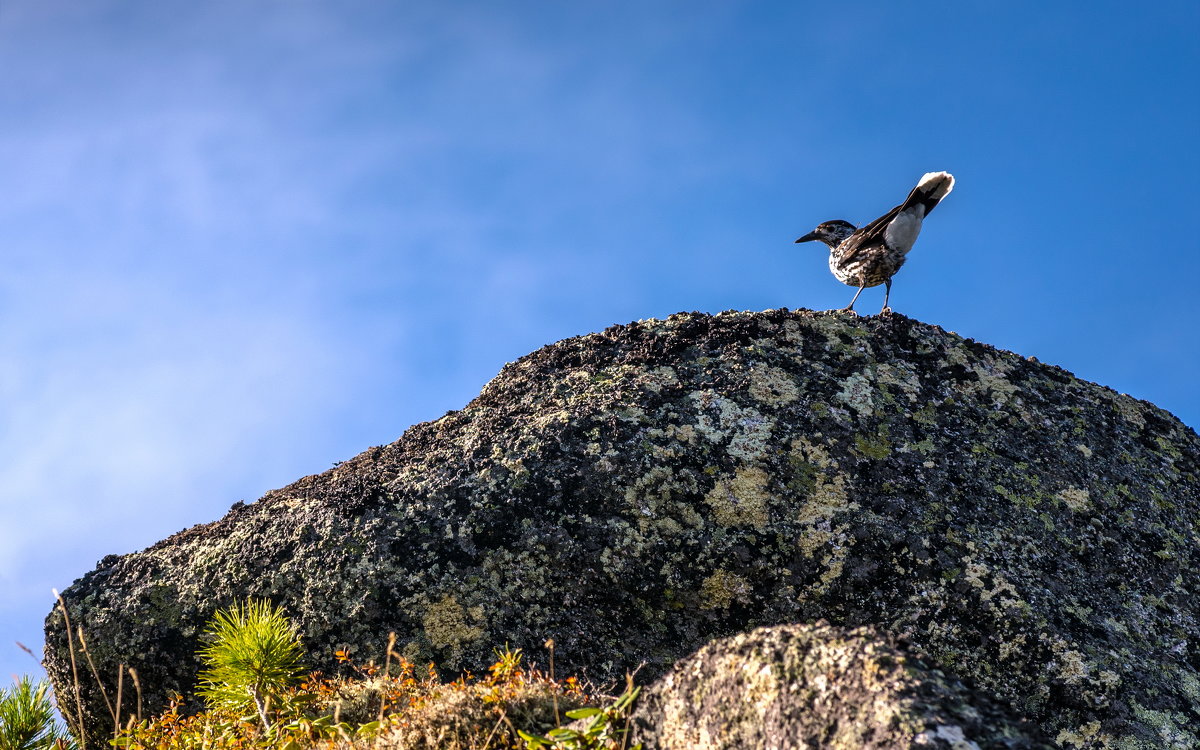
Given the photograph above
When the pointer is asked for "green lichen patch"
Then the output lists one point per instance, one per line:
(741, 500)
(772, 386)
(722, 589)
(447, 624)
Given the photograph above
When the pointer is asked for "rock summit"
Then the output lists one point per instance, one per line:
(635, 493)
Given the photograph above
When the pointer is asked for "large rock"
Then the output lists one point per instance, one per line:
(819, 686)
(636, 492)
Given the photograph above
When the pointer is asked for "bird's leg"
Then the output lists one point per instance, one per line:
(887, 293)
(850, 306)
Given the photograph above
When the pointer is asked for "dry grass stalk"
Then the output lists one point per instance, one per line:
(550, 646)
(95, 672)
(120, 686)
(133, 675)
(74, 670)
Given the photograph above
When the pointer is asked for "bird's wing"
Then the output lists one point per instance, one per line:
(877, 227)
(870, 235)
(929, 191)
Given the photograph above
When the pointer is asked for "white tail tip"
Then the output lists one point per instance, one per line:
(941, 183)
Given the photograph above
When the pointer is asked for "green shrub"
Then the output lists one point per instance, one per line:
(27, 718)
(251, 661)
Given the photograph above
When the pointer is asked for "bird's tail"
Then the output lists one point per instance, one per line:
(932, 188)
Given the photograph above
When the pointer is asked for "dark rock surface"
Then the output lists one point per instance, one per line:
(637, 492)
(819, 686)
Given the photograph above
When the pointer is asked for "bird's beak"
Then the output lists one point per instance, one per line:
(808, 237)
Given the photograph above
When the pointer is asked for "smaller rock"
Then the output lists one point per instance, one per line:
(819, 686)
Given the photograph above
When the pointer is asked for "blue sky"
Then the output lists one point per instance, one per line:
(245, 240)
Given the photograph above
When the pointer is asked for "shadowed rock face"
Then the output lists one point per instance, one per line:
(817, 686)
(636, 492)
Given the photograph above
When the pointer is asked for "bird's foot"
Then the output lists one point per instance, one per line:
(886, 311)
(848, 309)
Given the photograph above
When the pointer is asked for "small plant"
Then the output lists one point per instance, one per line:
(27, 718)
(607, 729)
(253, 658)
(507, 666)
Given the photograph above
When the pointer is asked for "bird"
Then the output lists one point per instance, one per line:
(871, 255)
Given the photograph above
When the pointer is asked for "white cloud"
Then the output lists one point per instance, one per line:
(226, 230)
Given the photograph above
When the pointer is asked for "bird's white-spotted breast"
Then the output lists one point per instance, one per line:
(869, 266)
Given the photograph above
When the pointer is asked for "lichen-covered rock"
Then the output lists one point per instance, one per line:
(636, 492)
(819, 686)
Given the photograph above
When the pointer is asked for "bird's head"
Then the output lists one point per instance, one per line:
(830, 232)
